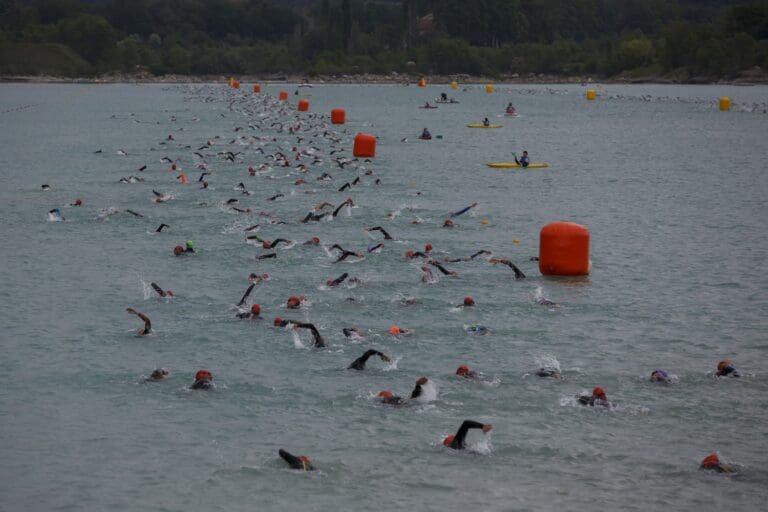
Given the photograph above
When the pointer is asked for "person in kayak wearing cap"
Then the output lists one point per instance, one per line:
(457, 441)
(713, 462)
(726, 369)
(598, 397)
(659, 375)
(203, 380)
(147, 323)
(359, 363)
(163, 293)
(463, 210)
(318, 339)
(301, 462)
(388, 398)
(524, 160)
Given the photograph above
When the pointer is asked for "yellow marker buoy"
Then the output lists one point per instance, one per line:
(454, 85)
(725, 103)
(591, 94)
(485, 222)
(489, 88)
(515, 241)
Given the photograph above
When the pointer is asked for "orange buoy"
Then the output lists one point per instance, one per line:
(256, 88)
(236, 84)
(564, 249)
(365, 145)
(338, 116)
(303, 105)
(422, 82)
(283, 95)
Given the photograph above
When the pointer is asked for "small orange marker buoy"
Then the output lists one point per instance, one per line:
(303, 105)
(283, 96)
(338, 116)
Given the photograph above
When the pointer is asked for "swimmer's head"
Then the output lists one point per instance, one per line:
(279, 322)
(462, 370)
(599, 392)
(78, 202)
(294, 302)
(203, 375)
(266, 243)
(725, 367)
(658, 374)
(255, 310)
(173, 166)
(205, 184)
(525, 153)
(469, 301)
(168, 293)
(428, 248)
(421, 381)
(159, 374)
(394, 330)
(711, 461)
(448, 440)
(189, 244)
(304, 460)
(448, 223)
(385, 394)
(178, 250)
(409, 254)
(315, 240)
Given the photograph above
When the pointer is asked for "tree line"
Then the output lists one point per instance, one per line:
(685, 39)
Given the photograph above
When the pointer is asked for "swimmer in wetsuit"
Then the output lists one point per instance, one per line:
(157, 375)
(359, 363)
(463, 210)
(598, 397)
(712, 462)
(465, 372)
(346, 254)
(160, 228)
(659, 375)
(266, 244)
(301, 462)
(337, 281)
(518, 273)
(160, 291)
(383, 232)
(203, 380)
(442, 268)
(470, 258)
(246, 294)
(312, 216)
(147, 323)
(251, 314)
(457, 442)
(546, 372)
(726, 369)
(342, 205)
(318, 339)
(388, 398)
(375, 247)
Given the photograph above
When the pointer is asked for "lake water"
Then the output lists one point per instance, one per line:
(673, 193)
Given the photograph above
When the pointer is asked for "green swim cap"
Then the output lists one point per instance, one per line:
(189, 244)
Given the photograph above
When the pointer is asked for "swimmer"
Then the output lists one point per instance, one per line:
(267, 256)
(240, 210)
(478, 329)
(598, 397)
(546, 372)
(518, 273)
(352, 332)
(712, 462)
(442, 268)
(375, 247)
(135, 214)
(275, 197)
(301, 462)
(203, 380)
(659, 375)
(160, 228)
(246, 294)
(725, 368)
(359, 363)
(188, 247)
(465, 372)
(456, 442)
(55, 215)
(399, 331)
(319, 341)
(448, 223)
(311, 216)
(147, 323)
(76, 202)
(463, 210)
(417, 254)
(426, 275)
(383, 232)
(251, 314)
(161, 198)
(294, 301)
(266, 244)
(468, 302)
(346, 254)
(388, 398)
(257, 278)
(45, 186)
(470, 258)
(337, 281)
(348, 201)
(312, 241)
(161, 292)
(157, 375)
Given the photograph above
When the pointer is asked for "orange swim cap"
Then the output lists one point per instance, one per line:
(409, 254)
(462, 370)
(448, 223)
(178, 250)
(203, 375)
(448, 440)
(722, 364)
(304, 459)
(315, 240)
(428, 248)
(711, 461)
(278, 321)
(385, 394)
(169, 293)
(598, 392)
(78, 202)
(256, 310)
(293, 302)
(469, 301)
(394, 330)
(266, 243)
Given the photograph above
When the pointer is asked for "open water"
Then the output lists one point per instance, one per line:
(672, 190)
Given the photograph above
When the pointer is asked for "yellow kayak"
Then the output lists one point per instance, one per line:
(513, 165)
(481, 125)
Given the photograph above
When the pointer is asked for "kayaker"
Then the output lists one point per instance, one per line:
(486, 122)
(524, 160)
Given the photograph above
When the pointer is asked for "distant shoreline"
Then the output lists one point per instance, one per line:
(371, 79)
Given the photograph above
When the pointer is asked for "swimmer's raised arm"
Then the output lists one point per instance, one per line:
(359, 363)
(147, 323)
(246, 294)
(383, 232)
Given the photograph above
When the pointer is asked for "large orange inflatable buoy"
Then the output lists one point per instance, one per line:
(303, 105)
(338, 116)
(256, 88)
(365, 146)
(283, 96)
(564, 249)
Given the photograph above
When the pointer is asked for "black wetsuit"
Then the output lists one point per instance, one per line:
(458, 439)
(345, 187)
(349, 331)
(277, 241)
(441, 268)
(549, 372)
(345, 255)
(518, 273)
(319, 341)
(275, 197)
(379, 228)
(294, 461)
(160, 228)
(202, 384)
(338, 280)
(267, 256)
(159, 290)
(417, 391)
(418, 254)
(338, 209)
(359, 363)
(246, 294)
(373, 248)
(593, 401)
(314, 216)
